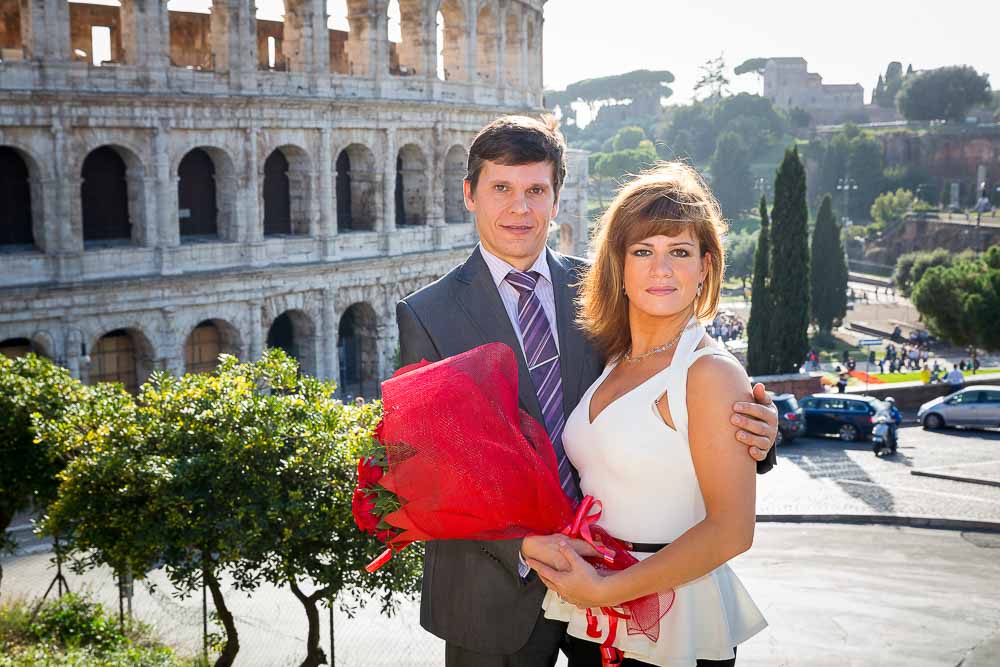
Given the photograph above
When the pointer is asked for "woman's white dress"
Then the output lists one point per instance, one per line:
(641, 471)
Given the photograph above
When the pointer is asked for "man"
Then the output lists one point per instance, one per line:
(479, 596)
(955, 378)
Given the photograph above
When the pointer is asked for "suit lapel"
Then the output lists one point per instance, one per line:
(572, 346)
(478, 297)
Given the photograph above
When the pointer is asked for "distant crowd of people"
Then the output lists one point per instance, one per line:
(725, 327)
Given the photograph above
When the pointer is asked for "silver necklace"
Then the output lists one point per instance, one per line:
(656, 350)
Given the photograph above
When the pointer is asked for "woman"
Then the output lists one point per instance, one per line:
(650, 438)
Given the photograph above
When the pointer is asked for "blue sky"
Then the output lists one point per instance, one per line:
(848, 41)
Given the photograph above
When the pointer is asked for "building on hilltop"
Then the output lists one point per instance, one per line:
(178, 184)
(789, 84)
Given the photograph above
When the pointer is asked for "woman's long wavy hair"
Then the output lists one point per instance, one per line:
(663, 200)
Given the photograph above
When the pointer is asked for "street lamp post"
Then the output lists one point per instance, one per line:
(845, 185)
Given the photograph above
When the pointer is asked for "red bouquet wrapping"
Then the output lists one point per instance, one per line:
(456, 458)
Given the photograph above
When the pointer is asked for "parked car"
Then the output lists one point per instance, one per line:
(977, 405)
(791, 418)
(843, 415)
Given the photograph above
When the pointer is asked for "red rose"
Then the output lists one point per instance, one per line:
(369, 473)
(362, 507)
(378, 431)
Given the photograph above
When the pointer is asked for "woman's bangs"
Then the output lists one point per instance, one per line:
(643, 228)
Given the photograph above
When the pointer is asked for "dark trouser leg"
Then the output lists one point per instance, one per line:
(541, 650)
(583, 653)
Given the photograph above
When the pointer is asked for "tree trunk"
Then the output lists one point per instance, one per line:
(232, 646)
(314, 654)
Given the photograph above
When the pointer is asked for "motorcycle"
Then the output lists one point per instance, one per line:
(883, 438)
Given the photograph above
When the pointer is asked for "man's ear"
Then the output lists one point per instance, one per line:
(470, 203)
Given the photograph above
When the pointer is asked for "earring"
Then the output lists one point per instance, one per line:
(699, 289)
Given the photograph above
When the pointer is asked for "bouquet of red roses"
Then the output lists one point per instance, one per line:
(455, 458)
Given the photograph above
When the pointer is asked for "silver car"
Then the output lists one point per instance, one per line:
(978, 405)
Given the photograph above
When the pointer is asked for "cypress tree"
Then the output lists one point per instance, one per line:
(789, 287)
(758, 350)
(829, 270)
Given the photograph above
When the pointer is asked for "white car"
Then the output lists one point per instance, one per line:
(978, 405)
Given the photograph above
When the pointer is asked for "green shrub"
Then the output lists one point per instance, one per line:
(73, 620)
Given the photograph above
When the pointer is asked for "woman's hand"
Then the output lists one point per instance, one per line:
(544, 549)
(579, 584)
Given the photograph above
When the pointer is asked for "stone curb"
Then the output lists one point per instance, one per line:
(956, 478)
(931, 522)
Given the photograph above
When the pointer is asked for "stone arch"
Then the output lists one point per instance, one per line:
(15, 31)
(513, 62)
(487, 44)
(12, 348)
(411, 186)
(452, 41)
(455, 165)
(287, 191)
(121, 355)
(104, 33)
(199, 35)
(206, 342)
(295, 332)
(357, 189)
(357, 350)
(19, 187)
(208, 184)
(112, 196)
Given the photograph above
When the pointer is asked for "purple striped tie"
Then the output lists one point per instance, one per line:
(543, 364)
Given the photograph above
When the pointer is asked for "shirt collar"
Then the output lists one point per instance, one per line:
(499, 268)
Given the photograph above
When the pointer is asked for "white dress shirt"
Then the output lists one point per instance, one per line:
(543, 290)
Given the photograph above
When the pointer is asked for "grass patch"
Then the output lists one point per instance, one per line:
(75, 631)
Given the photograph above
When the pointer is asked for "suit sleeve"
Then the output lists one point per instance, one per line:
(769, 461)
(415, 344)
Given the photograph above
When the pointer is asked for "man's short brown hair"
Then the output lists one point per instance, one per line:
(516, 140)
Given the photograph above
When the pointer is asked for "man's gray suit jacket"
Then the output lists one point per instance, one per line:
(472, 593)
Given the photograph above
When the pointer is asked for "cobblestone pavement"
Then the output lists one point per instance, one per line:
(826, 476)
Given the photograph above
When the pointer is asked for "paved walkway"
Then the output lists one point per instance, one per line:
(833, 594)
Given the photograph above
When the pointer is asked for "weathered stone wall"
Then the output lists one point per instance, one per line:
(65, 293)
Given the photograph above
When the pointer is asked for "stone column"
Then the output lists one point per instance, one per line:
(51, 31)
(327, 196)
(328, 337)
(255, 323)
(72, 345)
(242, 45)
(165, 189)
(253, 231)
(319, 75)
(378, 35)
(389, 182)
(153, 43)
(171, 348)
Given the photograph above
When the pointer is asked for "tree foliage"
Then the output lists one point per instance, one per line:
(759, 359)
(911, 266)
(630, 85)
(857, 157)
(888, 86)
(692, 131)
(789, 267)
(740, 252)
(245, 473)
(960, 303)
(30, 385)
(829, 270)
(628, 137)
(732, 183)
(892, 206)
(712, 79)
(946, 93)
(755, 65)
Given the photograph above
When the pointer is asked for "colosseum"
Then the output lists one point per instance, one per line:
(184, 178)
